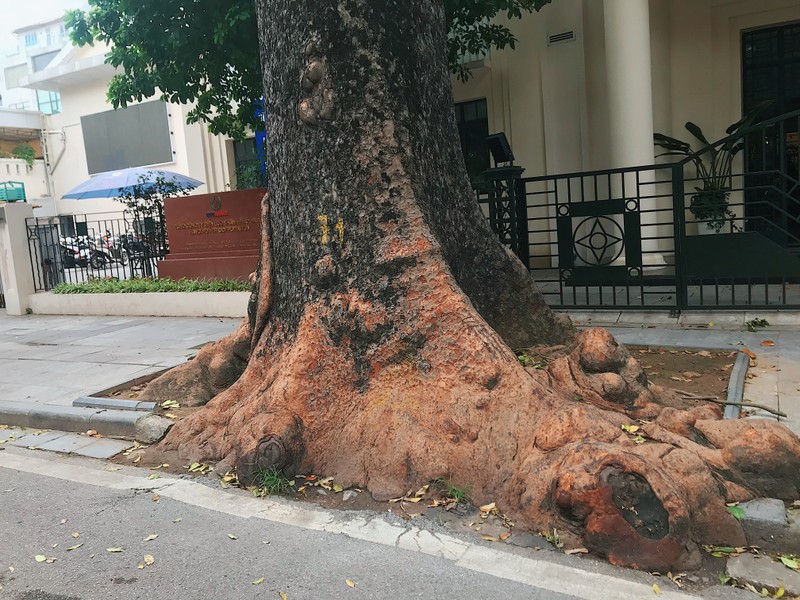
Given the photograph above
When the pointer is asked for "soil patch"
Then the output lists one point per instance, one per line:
(698, 372)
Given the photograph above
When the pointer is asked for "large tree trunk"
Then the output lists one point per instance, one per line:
(384, 313)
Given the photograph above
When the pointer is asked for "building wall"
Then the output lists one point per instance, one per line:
(14, 169)
(552, 100)
(196, 152)
(705, 57)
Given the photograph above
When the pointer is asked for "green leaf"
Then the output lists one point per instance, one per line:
(737, 512)
(114, 550)
(259, 581)
(790, 562)
(697, 132)
(75, 547)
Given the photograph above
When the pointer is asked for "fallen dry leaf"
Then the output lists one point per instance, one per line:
(151, 537)
(75, 534)
(283, 595)
(75, 547)
(749, 353)
(91, 432)
(656, 589)
(350, 583)
(576, 551)
(767, 343)
(148, 559)
(233, 537)
(488, 507)
(112, 550)
(156, 498)
(40, 558)
(505, 536)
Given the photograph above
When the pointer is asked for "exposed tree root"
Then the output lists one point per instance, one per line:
(442, 396)
(215, 368)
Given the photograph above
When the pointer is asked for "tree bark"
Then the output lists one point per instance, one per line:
(384, 313)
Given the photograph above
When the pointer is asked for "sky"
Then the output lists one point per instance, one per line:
(19, 13)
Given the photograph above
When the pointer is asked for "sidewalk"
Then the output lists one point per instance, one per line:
(53, 360)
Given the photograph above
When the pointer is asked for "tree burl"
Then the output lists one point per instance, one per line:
(378, 346)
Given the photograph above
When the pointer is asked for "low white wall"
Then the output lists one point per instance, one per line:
(157, 304)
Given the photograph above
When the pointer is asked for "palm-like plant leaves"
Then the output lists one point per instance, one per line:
(714, 163)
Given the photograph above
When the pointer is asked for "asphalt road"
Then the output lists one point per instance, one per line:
(209, 543)
(196, 558)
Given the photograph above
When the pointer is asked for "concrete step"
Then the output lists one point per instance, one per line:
(113, 403)
(142, 426)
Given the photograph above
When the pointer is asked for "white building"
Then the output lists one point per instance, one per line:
(33, 48)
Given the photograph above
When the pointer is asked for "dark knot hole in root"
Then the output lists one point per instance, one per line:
(638, 503)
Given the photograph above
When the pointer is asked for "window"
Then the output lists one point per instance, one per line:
(49, 102)
(473, 128)
(249, 172)
(41, 61)
(31, 39)
(49, 37)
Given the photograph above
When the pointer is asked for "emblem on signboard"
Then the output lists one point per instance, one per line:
(216, 203)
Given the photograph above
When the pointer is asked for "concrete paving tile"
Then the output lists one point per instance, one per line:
(30, 439)
(12, 433)
(67, 443)
(103, 448)
(701, 317)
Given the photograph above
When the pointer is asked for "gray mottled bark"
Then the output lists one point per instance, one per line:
(359, 113)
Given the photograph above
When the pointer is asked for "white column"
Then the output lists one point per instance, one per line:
(630, 105)
(629, 80)
(15, 261)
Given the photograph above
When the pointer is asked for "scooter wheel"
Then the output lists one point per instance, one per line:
(97, 262)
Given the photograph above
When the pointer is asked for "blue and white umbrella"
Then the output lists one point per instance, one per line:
(121, 183)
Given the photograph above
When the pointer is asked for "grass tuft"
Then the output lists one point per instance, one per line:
(272, 482)
(456, 492)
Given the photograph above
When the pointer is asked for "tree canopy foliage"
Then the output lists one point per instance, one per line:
(206, 51)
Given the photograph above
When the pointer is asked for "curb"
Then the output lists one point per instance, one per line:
(736, 387)
(143, 426)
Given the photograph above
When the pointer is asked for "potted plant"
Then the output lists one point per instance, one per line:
(714, 164)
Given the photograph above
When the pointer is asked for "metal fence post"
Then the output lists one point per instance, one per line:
(508, 211)
(679, 230)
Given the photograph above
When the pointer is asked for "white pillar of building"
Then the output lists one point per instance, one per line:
(629, 80)
(630, 102)
(15, 259)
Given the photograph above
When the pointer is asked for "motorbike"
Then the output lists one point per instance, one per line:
(75, 252)
(107, 249)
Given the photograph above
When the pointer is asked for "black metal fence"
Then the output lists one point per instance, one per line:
(634, 238)
(78, 248)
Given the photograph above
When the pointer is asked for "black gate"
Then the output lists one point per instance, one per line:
(628, 238)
